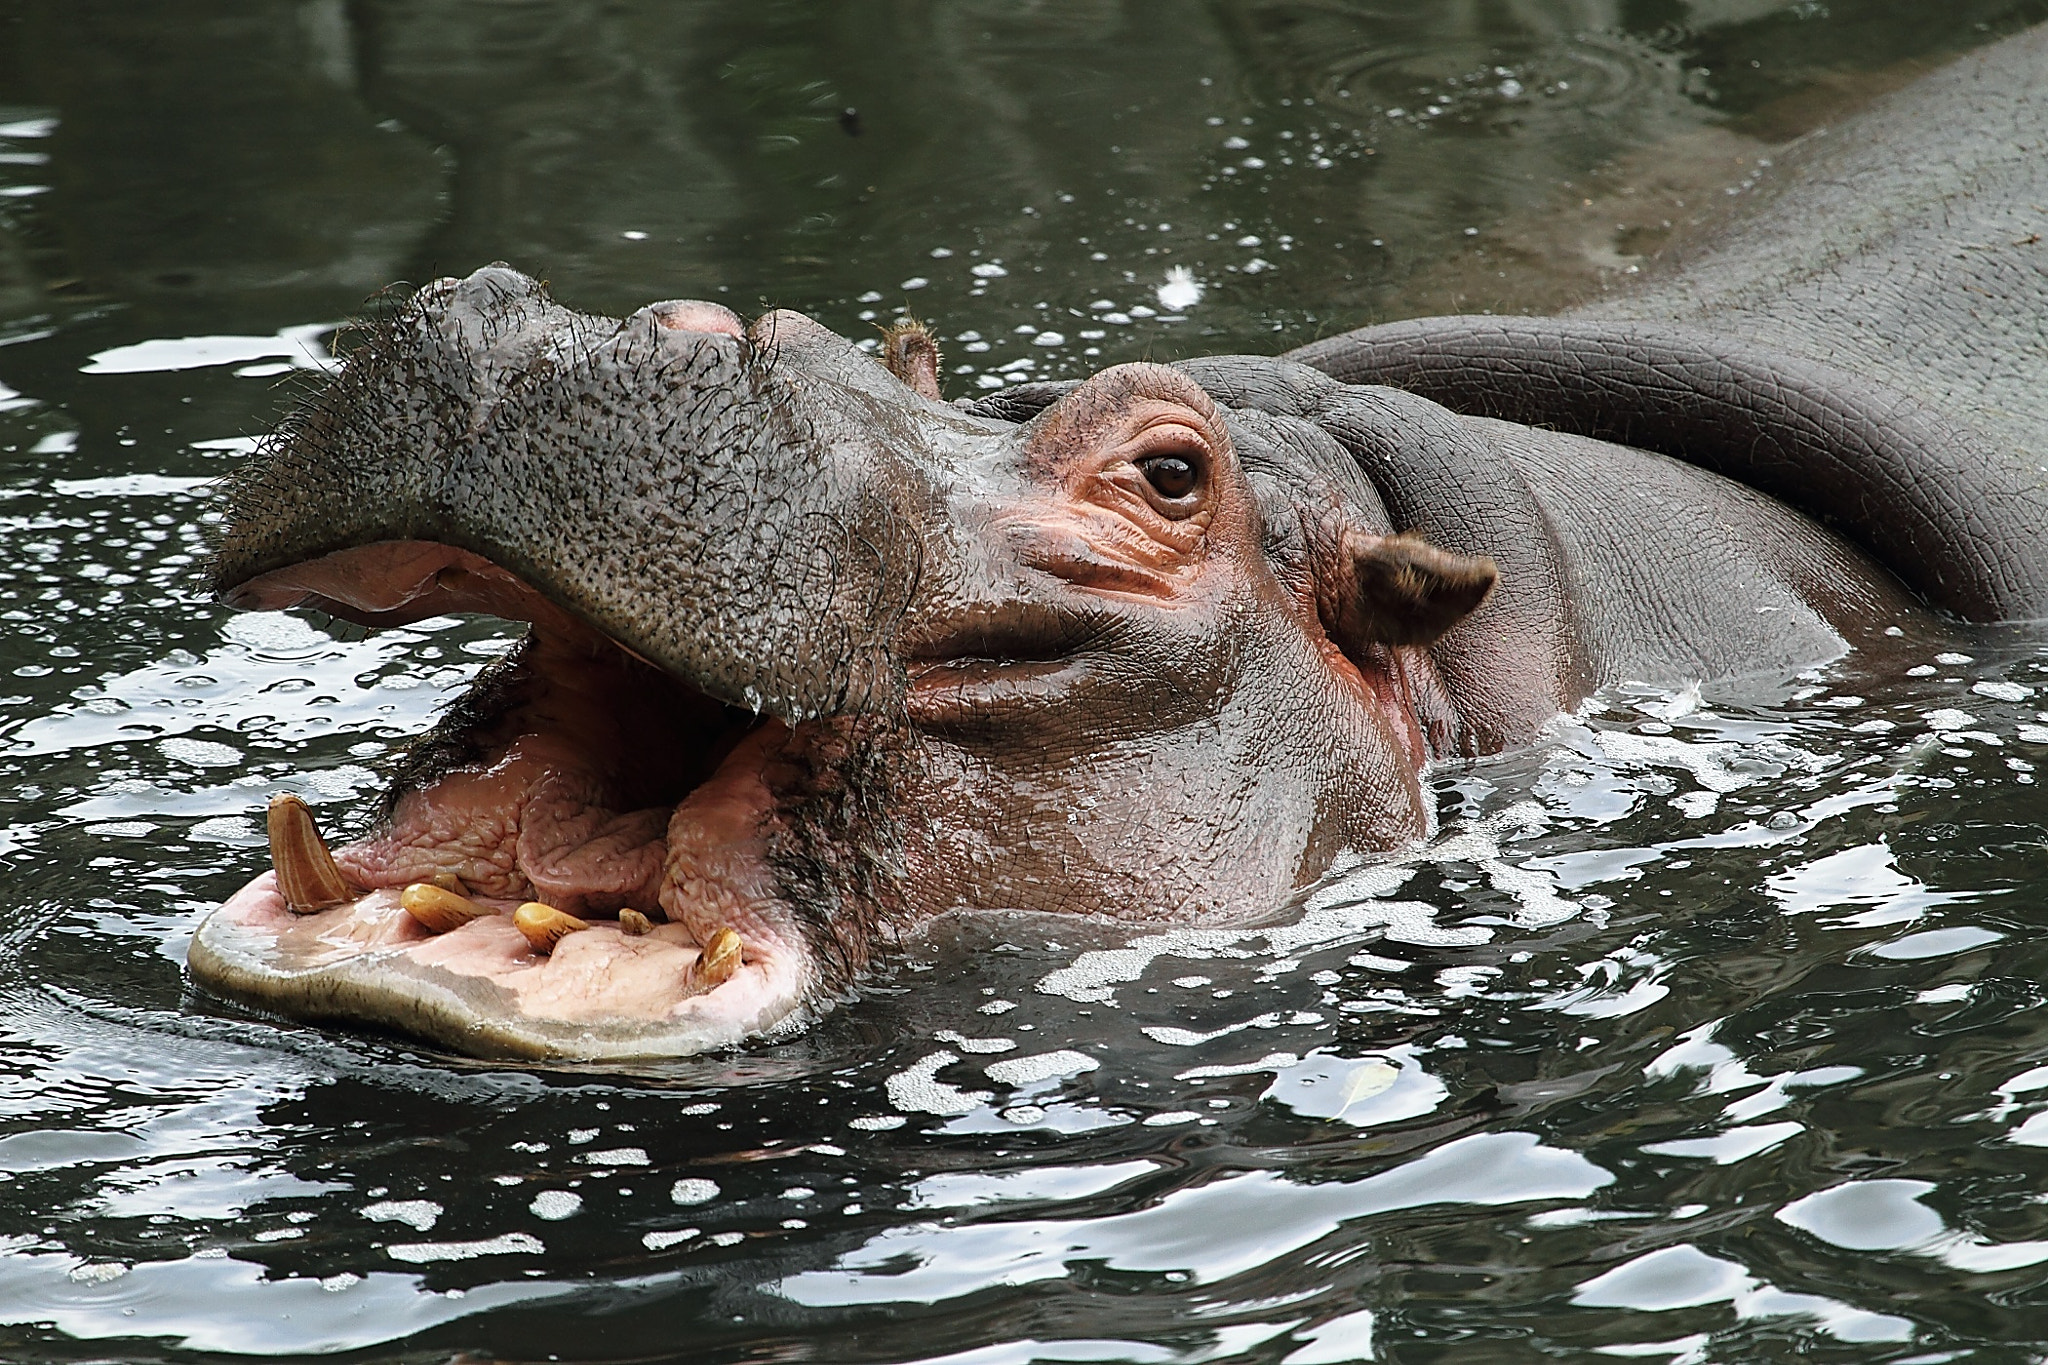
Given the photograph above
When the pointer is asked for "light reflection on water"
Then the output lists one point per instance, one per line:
(1702, 1030)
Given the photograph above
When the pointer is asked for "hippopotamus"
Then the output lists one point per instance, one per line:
(814, 656)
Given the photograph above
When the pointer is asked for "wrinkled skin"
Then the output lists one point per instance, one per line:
(816, 656)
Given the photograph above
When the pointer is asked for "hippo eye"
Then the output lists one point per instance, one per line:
(1172, 477)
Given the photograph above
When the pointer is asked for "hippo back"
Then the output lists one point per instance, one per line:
(1910, 246)
(1866, 340)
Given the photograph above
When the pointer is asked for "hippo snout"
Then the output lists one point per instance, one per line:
(654, 477)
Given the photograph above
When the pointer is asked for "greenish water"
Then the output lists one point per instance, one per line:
(1704, 1032)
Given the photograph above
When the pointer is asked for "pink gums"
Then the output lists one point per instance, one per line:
(533, 825)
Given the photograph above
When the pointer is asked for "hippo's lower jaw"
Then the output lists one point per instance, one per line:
(482, 990)
(573, 777)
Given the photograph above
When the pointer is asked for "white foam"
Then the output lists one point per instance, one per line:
(1092, 977)
(511, 1244)
(1044, 1066)
(917, 1090)
(418, 1214)
(1180, 1037)
(661, 1241)
(615, 1156)
(1696, 805)
(1272, 1061)
(1534, 892)
(1415, 922)
(200, 753)
(1707, 761)
(976, 1045)
(555, 1205)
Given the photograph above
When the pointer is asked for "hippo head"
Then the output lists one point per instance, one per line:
(813, 656)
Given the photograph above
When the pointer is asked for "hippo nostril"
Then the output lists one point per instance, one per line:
(694, 315)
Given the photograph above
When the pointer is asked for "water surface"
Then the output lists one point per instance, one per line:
(1702, 1032)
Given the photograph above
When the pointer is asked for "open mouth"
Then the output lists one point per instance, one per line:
(574, 864)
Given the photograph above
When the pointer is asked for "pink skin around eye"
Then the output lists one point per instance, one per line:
(1168, 439)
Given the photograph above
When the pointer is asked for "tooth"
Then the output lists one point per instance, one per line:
(632, 922)
(438, 909)
(719, 960)
(448, 881)
(545, 926)
(306, 875)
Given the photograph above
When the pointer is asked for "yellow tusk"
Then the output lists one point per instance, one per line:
(438, 909)
(306, 875)
(545, 926)
(719, 960)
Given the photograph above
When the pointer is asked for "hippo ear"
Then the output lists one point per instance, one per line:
(1397, 590)
(911, 353)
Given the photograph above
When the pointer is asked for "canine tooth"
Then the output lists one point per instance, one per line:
(448, 881)
(437, 908)
(632, 922)
(719, 960)
(306, 875)
(545, 926)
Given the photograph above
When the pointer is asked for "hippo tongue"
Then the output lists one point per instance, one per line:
(666, 486)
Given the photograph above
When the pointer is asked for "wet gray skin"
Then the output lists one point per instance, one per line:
(816, 656)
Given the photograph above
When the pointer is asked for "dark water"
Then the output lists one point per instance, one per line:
(1704, 1032)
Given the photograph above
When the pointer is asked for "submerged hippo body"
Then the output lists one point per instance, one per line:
(816, 655)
